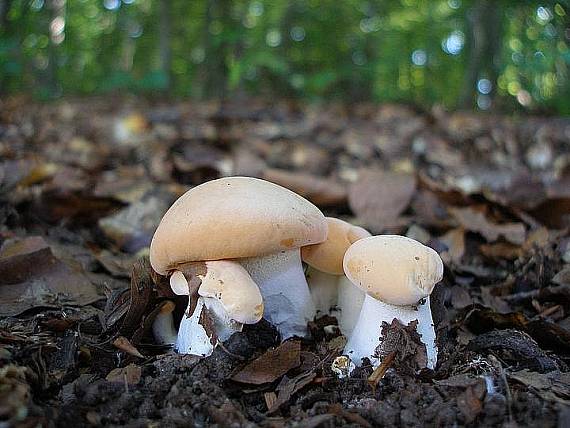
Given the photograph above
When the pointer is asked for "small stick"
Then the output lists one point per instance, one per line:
(380, 371)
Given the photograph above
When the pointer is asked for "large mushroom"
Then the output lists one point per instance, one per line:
(332, 291)
(398, 275)
(254, 222)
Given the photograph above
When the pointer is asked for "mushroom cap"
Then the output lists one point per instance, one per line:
(328, 255)
(234, 217)
(393, 269)
(231, 285)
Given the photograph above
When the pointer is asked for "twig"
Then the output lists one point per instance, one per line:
(380, 371)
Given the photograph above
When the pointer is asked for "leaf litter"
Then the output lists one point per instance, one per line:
(76, 213)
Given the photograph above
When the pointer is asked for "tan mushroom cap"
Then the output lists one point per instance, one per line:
(394, 269)
(328, 255)
(231, 285)
(234, 217)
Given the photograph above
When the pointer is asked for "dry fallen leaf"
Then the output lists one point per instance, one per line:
(271, 365)
(320, 191)
(130, 375)
(287, 387)
(31, 276)
(125, 345)
(474, 220)
(379, 197)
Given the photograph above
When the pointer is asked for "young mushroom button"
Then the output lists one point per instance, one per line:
(255, 223)
(398, 275)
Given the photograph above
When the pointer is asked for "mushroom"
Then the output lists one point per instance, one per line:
(163, 325)
(256, 223)
(398, 275)
(226, 298)
(331, 290)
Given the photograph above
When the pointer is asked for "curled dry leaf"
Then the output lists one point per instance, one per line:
(125, 345)
(379, 197)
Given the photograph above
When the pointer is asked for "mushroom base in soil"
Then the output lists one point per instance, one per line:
(366, 336)
(337, 296)
(286, 296)
(226, 298)
(398, 275)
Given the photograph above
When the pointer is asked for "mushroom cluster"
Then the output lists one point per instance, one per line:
(235, 247)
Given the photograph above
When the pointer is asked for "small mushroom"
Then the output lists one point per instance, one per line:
(331, 290)
(226, 299)
(257, 223)
(163, 325)
(398, 275)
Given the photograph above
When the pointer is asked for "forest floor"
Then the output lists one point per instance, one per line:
(84, 183)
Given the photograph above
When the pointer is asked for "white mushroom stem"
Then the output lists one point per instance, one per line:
(323, 288)
(192, 335)
(366, 335)
(349, 304)
(163, 325)
(337, 296)
(286, 296)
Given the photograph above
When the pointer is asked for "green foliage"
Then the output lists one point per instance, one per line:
(416, 51)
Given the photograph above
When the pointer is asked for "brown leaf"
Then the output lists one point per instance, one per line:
(141, 290)
(31, 276)
(501, 250)
(132, 227)
(287, 387)
(125, 345)
(379, 197)
(475, 221)
(320, 191)
(271, 365)
(130, 375)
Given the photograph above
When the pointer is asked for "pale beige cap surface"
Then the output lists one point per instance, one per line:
(328, 255)
(394, 269)
(234, 217)
(231, 285)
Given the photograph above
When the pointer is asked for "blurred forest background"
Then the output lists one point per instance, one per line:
(508, 55)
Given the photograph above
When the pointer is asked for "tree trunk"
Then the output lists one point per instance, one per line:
(484, 42)
(164, 42)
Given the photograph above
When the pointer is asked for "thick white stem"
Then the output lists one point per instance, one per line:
(323, 288)
(366, 334)
(192, 336)
(349, 304)
(286, 296)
